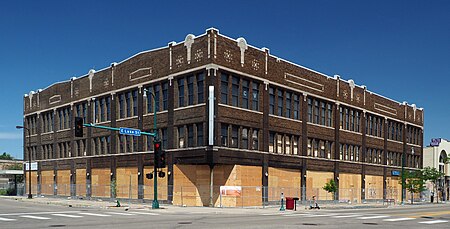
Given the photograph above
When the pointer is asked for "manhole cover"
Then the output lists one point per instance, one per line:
(57, 226)
(184, 222)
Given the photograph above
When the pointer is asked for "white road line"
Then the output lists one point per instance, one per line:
(374, 217)
(33, 217)
(69, 216)
(346, 216)
(119, 213)
(37, 213)
(434, 221)
(92, 214)
(311, 216)
(144, 213)
(6, 219)
(397, 219)
(272, 214)
(297, 215)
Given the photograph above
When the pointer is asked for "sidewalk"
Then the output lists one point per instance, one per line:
(125, 206)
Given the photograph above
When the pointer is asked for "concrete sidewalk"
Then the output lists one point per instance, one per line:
(125, 206)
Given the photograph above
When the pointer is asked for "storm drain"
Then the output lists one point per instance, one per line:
(184, 223)
(60, 225)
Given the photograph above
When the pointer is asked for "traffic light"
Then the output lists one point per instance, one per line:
(149, 175)
(78, 127)
(160, 156)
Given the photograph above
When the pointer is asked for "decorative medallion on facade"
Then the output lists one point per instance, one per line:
(228, 56)
(255, 65)
(76, 92)
(106, 83)
(242, 44)
(198, 55)
(188, 44)
(141, 73)
(179, 61)
(345, 94)
(358, 98)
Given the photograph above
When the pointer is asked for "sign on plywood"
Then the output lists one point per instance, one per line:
(230, 190)
(34, 166)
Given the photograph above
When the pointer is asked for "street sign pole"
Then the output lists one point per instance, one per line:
(155, 203)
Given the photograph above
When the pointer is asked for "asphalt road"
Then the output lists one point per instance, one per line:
(23, 214)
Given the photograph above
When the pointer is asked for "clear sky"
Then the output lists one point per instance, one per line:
(399, 49)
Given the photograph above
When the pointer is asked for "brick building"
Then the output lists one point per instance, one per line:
(271, 126)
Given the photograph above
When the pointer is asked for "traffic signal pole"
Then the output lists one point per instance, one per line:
(155, 203)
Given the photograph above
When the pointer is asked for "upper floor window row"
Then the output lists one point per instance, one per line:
(47, 122)
(374, 126)
(102, 108)
(350, 119)
(127, 103)
(155, 95)
(239, 92)
(284, 103)
(82, 111)
(190, 135)
(320, 112)
(64, 116)
(162, 133)
(414, 135)
(239, 137)
(374, 156)
(348, 152)
(395, 131)
(320, 148)
(191, 90)
(31, 124)
(284, 143)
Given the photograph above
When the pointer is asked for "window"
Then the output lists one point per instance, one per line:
(255, 145)
(288, 105)
(122, 143)
(358, 120)
(244, 138)
(190, 129)
(347, 124)
(287, 145)
(149, 98)
(135, 103)
(224, 89)
(181, 93)
(271, 142)
(224, 135)
(164, 137)
(255, 98)
(200, 134)
(329, 115)
(310, 119)
(316, 111)
(245, 85)
(352, 121)
(157, 96)
(165, 88)
(271, 101)
(190, 80)
(102, 111)
(108, 108)
(235, 91)
(296, 107)
(84, 112)
(279, 143)
(234, 137)
(295, 145)
(200, 88)
(128, 102)
(280, 102)
(322, 113)
(181, 137)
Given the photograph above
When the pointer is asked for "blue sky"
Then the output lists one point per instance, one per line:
(400, 49)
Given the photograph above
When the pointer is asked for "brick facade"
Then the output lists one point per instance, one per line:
(268, 113)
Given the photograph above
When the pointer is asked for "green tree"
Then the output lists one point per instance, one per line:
(433, 175)
(6, 156)
(414, 183)
(330, 187)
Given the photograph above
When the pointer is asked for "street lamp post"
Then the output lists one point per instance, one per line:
(30, 196)
(155, 203)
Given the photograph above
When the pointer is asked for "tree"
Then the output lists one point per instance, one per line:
(415, 183)
(433, 175)
(330, 187)
(6, 156)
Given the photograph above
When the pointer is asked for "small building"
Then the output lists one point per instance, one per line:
(435, 156)
(7, 175)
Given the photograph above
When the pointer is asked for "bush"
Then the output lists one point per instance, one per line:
(3, 192)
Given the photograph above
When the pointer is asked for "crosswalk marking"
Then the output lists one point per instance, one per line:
(397, 219)
(92, 214)
(374, 217)
(6, 219)
(346, 216)
(119, 213)
(144, 213)
(434, 221)
(33, 217)
(69, 216)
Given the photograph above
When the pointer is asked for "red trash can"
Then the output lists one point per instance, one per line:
(289, 203)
